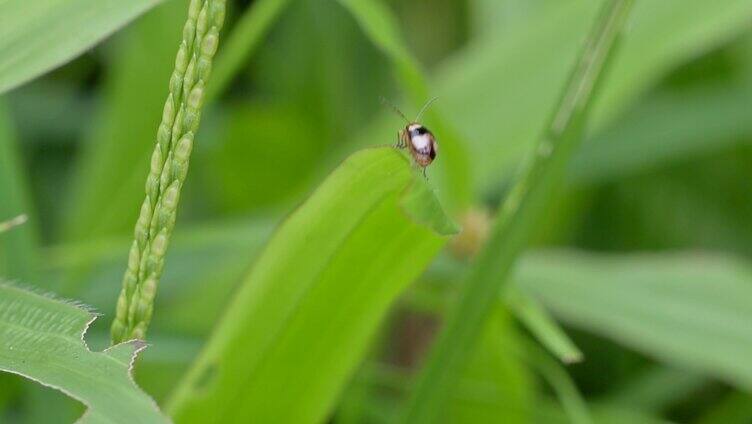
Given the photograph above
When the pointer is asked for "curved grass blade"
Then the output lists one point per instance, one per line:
(561, 383)
(242, 42)
(522, 209)
(38, 36)
(537, 320)
(42, 339)
(302, 319)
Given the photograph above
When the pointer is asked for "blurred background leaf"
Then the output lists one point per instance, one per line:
(37, 37)
(689, 310)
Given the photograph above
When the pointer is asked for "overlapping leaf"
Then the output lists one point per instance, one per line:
(42, 339)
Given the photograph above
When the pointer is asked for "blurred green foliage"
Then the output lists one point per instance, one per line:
(652, 235)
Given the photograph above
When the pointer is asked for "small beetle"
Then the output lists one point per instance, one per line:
(419, 141)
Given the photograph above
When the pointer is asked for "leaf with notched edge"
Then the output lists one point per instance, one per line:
(42, 339)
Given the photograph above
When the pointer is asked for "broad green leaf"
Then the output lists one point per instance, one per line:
(301, 321)
(516, 221)
(42, 339)
(37, 36)
(686, 309)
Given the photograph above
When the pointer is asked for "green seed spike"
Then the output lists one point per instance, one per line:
(168, 170)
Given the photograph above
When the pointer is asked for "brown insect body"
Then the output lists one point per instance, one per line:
(420, 142)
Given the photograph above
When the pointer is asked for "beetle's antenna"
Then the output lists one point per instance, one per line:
(386, 102)
(428, 103)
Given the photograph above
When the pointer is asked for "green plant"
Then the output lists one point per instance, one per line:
(169, 167)
(314, 275)
(518, 216)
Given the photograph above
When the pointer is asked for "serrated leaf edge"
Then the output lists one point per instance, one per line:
(139, 345)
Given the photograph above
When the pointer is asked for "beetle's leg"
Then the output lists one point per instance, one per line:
(399, 141)
(424, 173)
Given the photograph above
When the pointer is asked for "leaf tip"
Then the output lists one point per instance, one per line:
(420, 203)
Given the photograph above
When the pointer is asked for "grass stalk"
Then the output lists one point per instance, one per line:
(521, 210)
(169, 167)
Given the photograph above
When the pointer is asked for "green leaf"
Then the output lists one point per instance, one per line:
(42, 339)
(495, 386)
(514, 71)
(542, 326)
(302, 319)
(38, 36)
(522, 210)
(561, 383)
(18, 249)
(688, 310)
(381, 27)
(668, 125)
(656, 389)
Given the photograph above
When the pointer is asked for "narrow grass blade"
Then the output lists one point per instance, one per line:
(537, 320)
(42, 339)
(381, 27)
(566, 391)
(242, 42)
(18, 248)
(516, 221)
(513, 71)
(40, 35)
(301, 321)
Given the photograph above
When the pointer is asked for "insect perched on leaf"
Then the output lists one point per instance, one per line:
(418, 140)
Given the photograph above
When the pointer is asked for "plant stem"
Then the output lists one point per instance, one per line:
(522, 209)
(169, 167)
